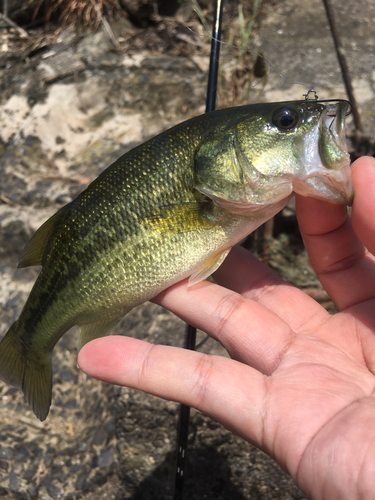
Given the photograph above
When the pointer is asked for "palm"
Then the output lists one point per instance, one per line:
(316, 402)
(300, 382)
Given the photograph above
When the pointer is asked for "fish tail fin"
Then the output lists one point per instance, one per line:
(32, 376)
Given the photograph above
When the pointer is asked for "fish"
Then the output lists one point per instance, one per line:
(169, 209)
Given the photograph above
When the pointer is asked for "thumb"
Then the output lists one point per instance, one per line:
(363, 213)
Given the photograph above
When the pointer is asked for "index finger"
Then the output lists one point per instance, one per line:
(340, 259)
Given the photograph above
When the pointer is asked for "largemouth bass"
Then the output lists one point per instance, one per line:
(169, 209)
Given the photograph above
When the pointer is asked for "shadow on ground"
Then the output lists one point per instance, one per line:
(208, 475)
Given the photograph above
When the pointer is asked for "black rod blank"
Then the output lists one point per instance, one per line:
(191, 331)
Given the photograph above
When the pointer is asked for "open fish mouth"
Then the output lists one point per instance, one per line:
(326, 158)
(333, 149)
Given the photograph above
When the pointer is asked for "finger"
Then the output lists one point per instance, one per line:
(281, 414)
(363, 214)
(339, 258)
(249, 332)
(189, 377)
(245, 274)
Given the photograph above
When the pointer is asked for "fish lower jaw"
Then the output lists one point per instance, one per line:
(335, 187)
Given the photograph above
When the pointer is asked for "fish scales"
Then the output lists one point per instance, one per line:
(168, 209)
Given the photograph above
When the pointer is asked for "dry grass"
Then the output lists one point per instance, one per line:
(82, 14)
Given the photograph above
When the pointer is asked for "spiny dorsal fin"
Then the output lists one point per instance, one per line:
(34, 252)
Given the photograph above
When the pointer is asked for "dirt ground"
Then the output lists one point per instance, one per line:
(102, 441)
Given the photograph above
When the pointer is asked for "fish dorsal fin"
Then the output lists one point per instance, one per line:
(96, 329)
(207, 268)
(34, 252)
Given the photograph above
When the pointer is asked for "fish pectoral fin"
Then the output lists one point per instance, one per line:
(207, 268)
(182, 217)
(35, 250)
(94, 330)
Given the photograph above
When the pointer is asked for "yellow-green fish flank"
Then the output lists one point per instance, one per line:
(169, 209)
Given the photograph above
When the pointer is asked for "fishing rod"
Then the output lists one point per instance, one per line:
(340, 52)
(191, 331)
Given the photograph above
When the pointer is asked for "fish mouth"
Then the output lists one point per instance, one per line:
(333, 149)
(326, 159)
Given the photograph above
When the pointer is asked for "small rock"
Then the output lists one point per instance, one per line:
(34, 448)
(99, 479)
(29, 474)
(68, 451)
(100, 437)
(13, 482)
(46, 480)
(60, 140)
(71, 404)
(75, 468)
(54, 491)
(7, 453)
(3, 491)
(21, 454)
(93, 46)
(106, 458)
(57, 470)
(19, 407)
(110, 428)
(60, 65)
(82, 446)
(48, 461)
(12, 390)
(4, 465)
(21, 495)
(131, 478)
(81, 482)
(32, 490)
(94, 462)
(63, 199)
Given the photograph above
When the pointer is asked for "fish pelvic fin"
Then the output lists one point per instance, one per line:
(208, 267)
(32, 375)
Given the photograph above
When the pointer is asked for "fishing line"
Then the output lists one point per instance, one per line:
(247, 51)
(270, 66)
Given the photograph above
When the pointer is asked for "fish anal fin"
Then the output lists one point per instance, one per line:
(34, 251)
(94, 330)
(30, 373)
(208, 267)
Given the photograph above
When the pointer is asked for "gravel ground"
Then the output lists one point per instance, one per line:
(69, 106)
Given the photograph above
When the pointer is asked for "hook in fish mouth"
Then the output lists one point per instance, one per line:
(349, 105)
(325, 157)
(332, 145)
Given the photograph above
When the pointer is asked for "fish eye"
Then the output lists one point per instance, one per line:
(285, 118)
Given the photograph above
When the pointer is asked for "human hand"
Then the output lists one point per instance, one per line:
(300, 382)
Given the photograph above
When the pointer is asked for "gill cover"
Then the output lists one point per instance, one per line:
(250, 162)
